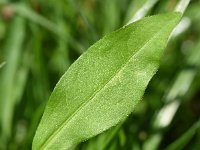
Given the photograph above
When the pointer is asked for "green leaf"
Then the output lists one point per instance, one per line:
(103, 86)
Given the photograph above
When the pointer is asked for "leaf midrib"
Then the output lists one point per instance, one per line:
(53, 135)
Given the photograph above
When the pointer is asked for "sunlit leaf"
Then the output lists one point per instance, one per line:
(104, 85)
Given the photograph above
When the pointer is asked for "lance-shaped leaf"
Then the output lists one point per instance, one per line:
(103, 86)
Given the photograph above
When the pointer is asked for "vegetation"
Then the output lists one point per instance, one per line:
(40, 40)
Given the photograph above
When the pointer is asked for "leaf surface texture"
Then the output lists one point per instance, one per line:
(103, 86)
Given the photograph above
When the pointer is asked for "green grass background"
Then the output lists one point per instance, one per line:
(40, 39)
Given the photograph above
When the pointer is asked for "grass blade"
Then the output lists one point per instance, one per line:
(13, 49)
(142, 12)
(181, 142)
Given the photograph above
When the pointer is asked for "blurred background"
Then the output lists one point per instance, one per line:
(40, 39)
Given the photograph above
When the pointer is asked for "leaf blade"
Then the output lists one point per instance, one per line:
(101, 78)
